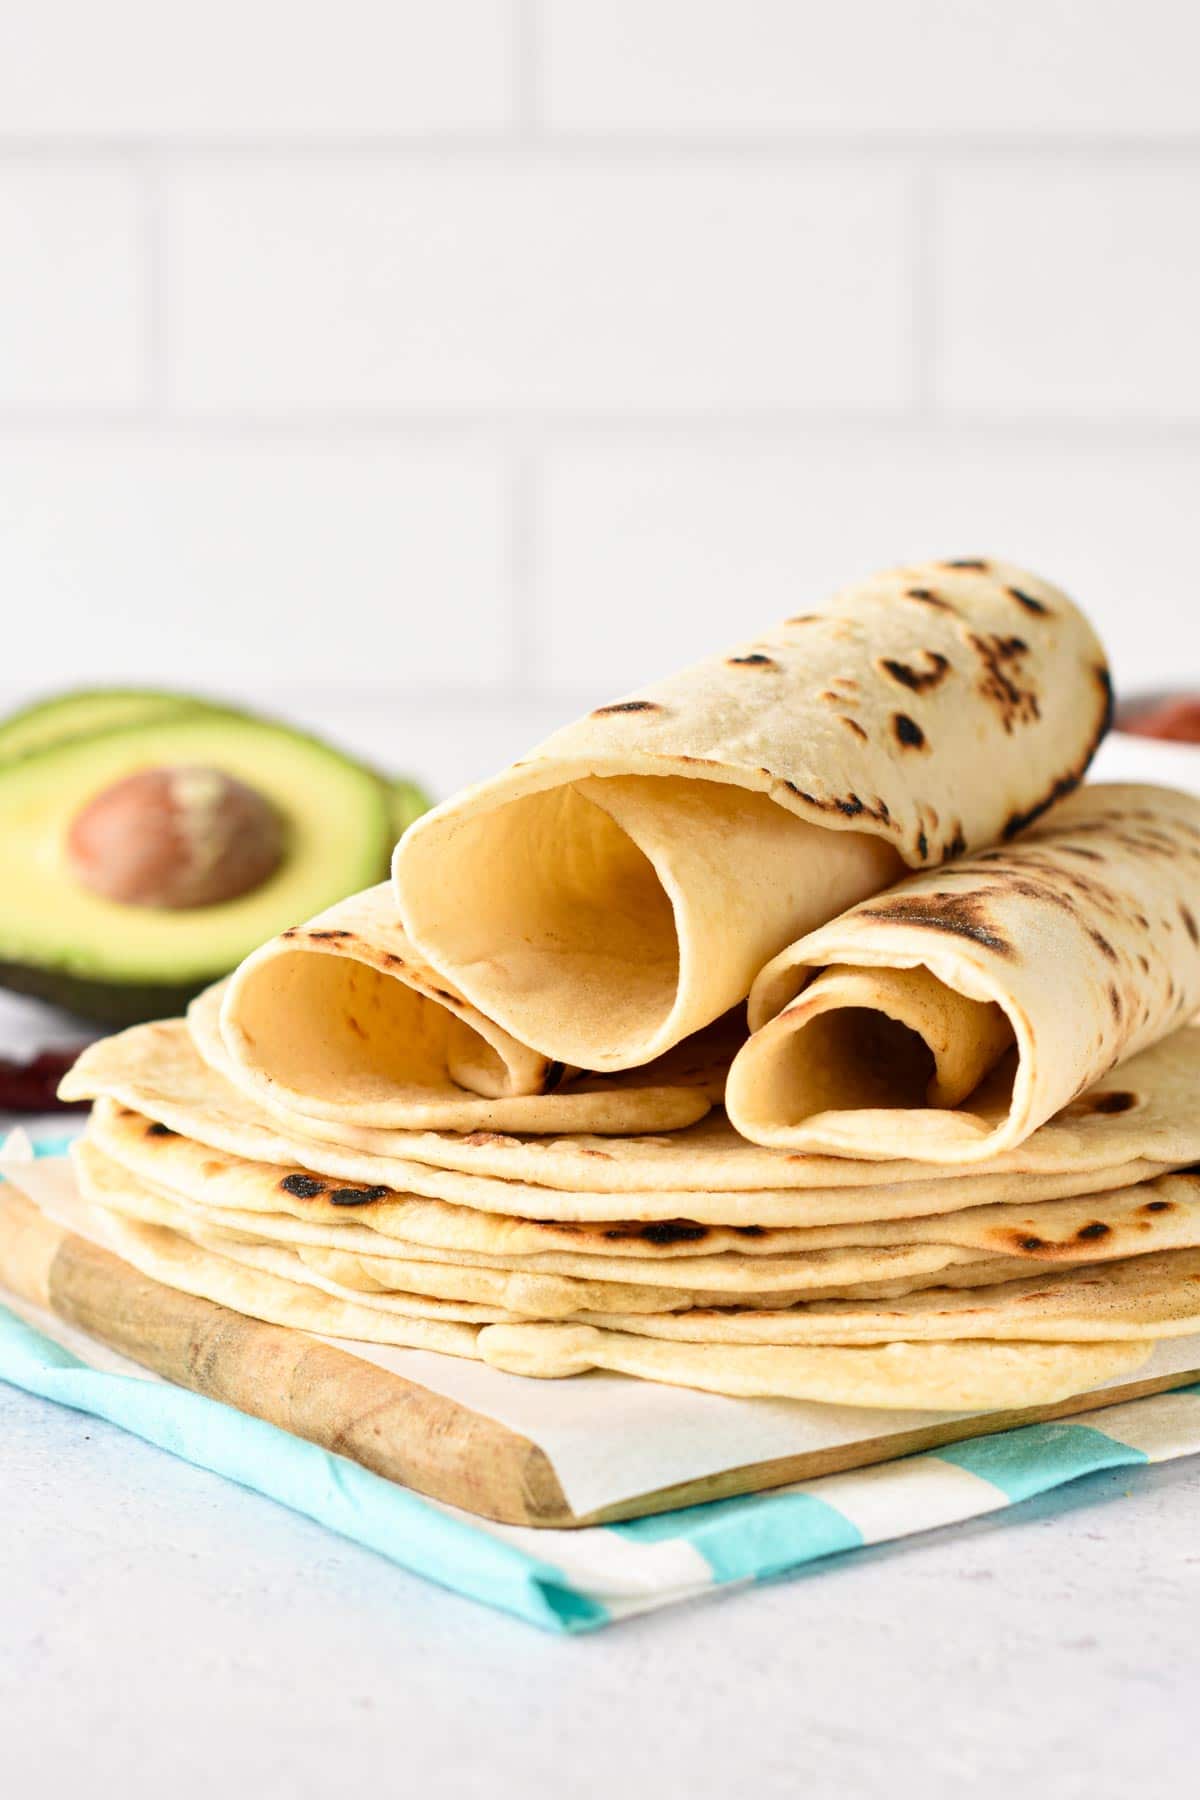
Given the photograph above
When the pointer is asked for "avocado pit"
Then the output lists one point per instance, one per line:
(178, 837)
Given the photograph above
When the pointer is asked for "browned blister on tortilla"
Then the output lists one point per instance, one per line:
(622, 885)
(950, 1017)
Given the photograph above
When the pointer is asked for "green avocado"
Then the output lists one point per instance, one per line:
(115, 962)
(86, 712)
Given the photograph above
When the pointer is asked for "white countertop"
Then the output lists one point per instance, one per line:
(163, 1631)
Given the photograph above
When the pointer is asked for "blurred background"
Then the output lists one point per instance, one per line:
(429, 371)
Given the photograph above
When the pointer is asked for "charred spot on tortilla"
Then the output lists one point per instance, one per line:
(922, 845)
(1028, 601)
(554, 1074)
(853, 725)
(627, 706)
(350, 1196)
(755, 659)
(1031, 1243)
(966, 562)
(908, 732)
(673, 1231)
(963, 915)
(1002, 682)
(330, 934)
(475, 1138)
(1143, 963)
(1114, 1001)
(302, 1187)
(1102, 944)
(751, 1231)
(851, 806)
(918, 680)
(956, 843)
(929, 598)
(157, 1130)
(392, 960)
(1189, 922)
(1157, 1206)
(1081, 851)
(1091, 1234)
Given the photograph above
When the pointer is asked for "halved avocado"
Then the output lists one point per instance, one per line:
(86, 711)
(115, 962)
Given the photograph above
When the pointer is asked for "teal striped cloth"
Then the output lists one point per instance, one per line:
(578, 1580)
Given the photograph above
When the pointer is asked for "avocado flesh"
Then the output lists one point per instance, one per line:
(87, 711)
(113, 962)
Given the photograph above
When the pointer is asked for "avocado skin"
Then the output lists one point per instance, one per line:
(110, 1003)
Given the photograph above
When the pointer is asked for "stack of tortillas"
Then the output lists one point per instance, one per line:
(797, 1026)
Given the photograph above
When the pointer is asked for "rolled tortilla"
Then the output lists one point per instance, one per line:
(343, 1016)
(948, 1018)
(623, 885)
(341, 1025)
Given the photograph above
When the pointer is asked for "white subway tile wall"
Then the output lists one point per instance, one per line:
(478, 359)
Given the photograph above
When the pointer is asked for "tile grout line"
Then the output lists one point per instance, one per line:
(524, 491)
(545, 432)
(154, 275)
(527, 69)
(818, 143)
(926, 319)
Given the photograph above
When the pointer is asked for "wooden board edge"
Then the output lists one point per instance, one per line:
(407, 1433)
(781, 1471)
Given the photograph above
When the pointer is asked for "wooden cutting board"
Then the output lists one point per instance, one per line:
(403, 1431)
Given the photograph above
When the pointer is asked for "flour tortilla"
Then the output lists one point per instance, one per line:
(679, 1089)
(547, 1285)
(1054, 959)
(342, 1019)
(194, 1269)
(959, 1376)
(762, 1285)
(532, 1294)
(1160, 1214)
(351, 1020)
(1140, 1297)
(943, 1377)
(622, 885)
(103, 1185)
(1138, 1122)
(536, 1294)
